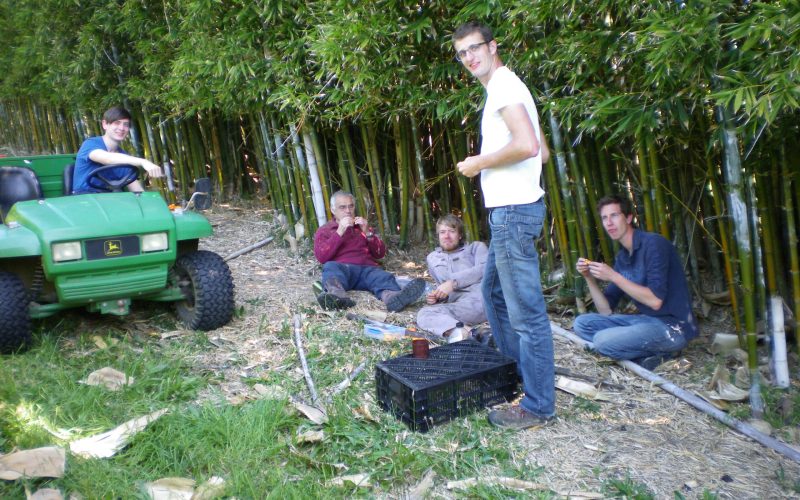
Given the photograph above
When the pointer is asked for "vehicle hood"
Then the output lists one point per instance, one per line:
(94, 215)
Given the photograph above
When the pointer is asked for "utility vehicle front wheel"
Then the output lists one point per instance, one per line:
(207, 285)
(15, 322)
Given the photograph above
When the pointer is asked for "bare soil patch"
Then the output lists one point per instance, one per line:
(642, 433)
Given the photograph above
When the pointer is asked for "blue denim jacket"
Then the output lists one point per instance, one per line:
(654, 263)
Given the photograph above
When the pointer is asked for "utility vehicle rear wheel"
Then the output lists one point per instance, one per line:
(207, 285)
(15, 322)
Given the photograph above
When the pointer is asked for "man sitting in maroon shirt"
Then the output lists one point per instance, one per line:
(348, 251)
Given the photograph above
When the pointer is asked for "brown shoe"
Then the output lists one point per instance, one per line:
(397, 300)
(334, 296)
(516, 417)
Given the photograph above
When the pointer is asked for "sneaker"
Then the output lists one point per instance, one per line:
(330, 301)
(397, 301)
(515, 417)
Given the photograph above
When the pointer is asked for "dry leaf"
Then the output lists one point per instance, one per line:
(46, 494)
(48, 461)
(363, 411)
(313, 413)
(508, 482)
(761, 426)
(99, 342)
(713, 398)
(579, 388)
(109, 378)
(375, 315)
(108, 443)
(360, 480)
(720, 373)
(170, 488)
(213, 488)
(311, 436)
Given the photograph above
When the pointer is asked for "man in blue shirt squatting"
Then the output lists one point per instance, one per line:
(97, 152)
(648, 270)
(510, 164)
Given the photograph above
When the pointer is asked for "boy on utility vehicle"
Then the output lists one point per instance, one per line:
(96, 153)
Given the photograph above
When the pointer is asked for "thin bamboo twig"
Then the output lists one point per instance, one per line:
(298, 342)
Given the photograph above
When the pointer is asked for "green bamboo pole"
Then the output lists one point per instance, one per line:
(645, 176)
(283, 176)
(344, 171)
(583, 212)
(426, 207)
(660, 207)
(791, 237)
(730, 258)
(464, 188)
(371, 154)
(733, 177)
(402, 175)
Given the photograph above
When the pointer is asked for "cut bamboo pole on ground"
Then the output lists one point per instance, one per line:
(695, 401)
(248, 249)
(344, 384)
(298, 342)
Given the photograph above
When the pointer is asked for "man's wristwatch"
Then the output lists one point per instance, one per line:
(370, 234)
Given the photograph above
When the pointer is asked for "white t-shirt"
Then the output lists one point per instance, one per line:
(517, 183)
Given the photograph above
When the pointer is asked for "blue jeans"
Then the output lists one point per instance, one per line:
(515, 308)
(628, 336)
(354, 277)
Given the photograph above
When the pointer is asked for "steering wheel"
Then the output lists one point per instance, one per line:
(98, 180)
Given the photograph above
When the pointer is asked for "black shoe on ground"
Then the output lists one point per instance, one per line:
(410, 293)
(653, 362)
(330, 301)
(515, 417)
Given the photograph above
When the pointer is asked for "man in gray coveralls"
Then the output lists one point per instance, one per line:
(457, 269)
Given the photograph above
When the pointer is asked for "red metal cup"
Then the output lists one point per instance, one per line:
(420, 348)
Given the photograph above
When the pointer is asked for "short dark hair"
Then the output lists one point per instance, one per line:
(116, 113)
(471, 27)
(624, 204)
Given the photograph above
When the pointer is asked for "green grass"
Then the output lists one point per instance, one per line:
(254, 446)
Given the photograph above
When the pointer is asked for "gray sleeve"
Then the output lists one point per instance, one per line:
(473, 274)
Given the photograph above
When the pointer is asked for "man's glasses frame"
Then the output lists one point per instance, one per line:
(472, 49)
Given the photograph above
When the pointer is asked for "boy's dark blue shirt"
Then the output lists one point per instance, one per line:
(654, 263)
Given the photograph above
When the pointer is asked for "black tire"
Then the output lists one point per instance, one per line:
(15, 322)
(206, 282)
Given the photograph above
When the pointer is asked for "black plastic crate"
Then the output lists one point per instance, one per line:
(456, 379)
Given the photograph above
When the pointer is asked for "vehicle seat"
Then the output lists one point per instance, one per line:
(69, 171)
(17, 184)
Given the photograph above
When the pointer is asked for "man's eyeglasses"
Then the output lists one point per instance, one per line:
(472, 49)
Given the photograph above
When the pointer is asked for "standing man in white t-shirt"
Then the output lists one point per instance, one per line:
(510, 164)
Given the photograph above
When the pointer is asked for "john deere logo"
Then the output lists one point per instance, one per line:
(112, 248)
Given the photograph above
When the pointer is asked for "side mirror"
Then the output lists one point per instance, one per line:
(201, 198)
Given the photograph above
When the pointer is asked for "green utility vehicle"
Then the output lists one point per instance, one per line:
(100, 251)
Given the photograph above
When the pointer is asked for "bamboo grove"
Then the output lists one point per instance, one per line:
(689, 108)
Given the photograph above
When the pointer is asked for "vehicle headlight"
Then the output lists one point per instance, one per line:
(154, 242)
(68, 250)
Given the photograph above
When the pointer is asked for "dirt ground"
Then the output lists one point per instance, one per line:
(641, 432)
